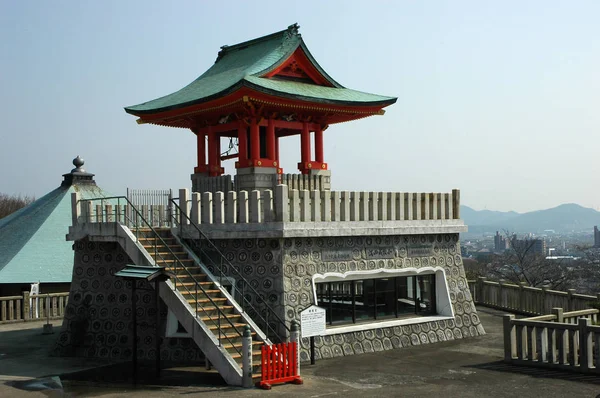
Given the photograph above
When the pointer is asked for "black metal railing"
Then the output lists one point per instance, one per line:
(130, 216)
(221, 267)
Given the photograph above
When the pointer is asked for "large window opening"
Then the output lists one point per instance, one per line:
(373, 299)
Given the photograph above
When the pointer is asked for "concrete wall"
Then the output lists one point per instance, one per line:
(283, 271)
(98, 321)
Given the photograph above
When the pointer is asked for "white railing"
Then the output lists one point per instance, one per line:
(569, 340)
(527, 300)
(281, 205)
(29, 307)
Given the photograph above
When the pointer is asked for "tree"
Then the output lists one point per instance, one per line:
(525, 261)
(9, 204)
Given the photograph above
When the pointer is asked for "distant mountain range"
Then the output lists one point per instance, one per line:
(564, 218)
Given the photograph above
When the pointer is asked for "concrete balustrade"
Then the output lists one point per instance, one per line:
(280, 205)
(561, 340)
(528, 300)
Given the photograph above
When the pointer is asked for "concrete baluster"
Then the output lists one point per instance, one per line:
(267, 205)
(304, 205)
(409, 206)
(295, 205)
(184, 205)
(372, 205)
(207, 208)
(391, 206)
(247, 358)
(282, 205)
(219, 207)
(363, 210)
(336, 208)
(456, 203)
(585, 344)
(196, 208)
(315, 206)
(255, 211)
(244, 216)
(509, 338)
(75, 208)
(401, 213)
(346, 206)
(231, 210)
(325, 206)
(426, 204)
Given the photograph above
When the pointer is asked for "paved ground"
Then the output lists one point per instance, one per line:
(464, 368)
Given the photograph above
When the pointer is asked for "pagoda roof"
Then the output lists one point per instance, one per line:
(251, 64)
(33, 247)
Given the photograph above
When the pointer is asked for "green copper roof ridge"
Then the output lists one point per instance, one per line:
(384, 100)
(226, 49)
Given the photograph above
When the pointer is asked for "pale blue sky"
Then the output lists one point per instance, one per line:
(499, 99)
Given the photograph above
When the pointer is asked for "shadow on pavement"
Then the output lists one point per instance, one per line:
(555, 374)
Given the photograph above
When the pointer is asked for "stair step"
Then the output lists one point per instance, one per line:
(205, 292)
(214, 299)
(239, 356)
(227, 326)
(229, 346)
(207, 319)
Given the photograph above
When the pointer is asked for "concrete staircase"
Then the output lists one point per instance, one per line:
(205, 309)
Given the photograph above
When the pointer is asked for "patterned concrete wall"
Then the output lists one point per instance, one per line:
(98, 321)
(282, 271)
(259, 261)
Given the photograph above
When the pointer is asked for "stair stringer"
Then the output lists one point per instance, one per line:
(203, 337)
(238, 308)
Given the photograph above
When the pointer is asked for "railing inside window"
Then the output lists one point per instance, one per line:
(375, 299)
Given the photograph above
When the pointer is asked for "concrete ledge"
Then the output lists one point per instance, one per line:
(332, 228)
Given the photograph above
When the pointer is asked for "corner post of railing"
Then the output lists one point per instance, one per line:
(295, 338)
(510, 344)
(558, 313)
(522, 305)
(571, 292)
(170, 207)
(545, 289)
(75, 208)
(184, 205)
(25, 306)
(282, 205)
(247, 357)
(479, 291)
(585, 344)
(456, 203)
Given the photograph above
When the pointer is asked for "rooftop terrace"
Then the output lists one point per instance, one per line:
(460, 368)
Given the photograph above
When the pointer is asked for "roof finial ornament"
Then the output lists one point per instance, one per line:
(78, 162)
(293, 29)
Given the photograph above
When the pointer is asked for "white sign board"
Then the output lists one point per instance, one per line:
(312, 321)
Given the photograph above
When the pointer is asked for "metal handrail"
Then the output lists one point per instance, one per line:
(220, 313)
(222, 258)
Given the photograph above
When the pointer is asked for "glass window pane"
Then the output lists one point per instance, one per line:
(386, 297)
(426, 294)
(406, 297)
(365, 300)
(341, 305)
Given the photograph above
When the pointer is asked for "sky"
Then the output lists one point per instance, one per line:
(498, 99)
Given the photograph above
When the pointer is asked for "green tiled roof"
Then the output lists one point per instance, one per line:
(243, 64)
(33, 246)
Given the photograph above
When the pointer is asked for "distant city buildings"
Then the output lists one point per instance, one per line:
(596, 237)
(500, 243)
(533, 246)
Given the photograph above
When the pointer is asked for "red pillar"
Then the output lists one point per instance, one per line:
(201, 146)
(242, 144)
(254, 140)
(218, 153)
(212, 153)
(277, 151)
(271, 140)
(305, 144)
(319, 145)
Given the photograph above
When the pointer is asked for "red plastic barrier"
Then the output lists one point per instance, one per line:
(279, 365)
